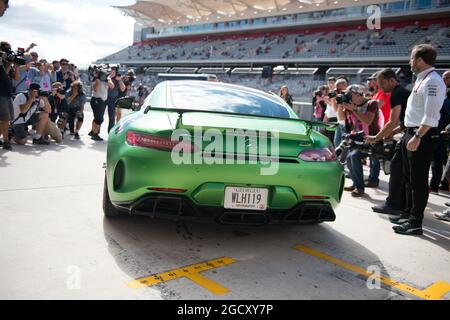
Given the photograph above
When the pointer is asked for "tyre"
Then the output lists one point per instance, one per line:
(108, 209)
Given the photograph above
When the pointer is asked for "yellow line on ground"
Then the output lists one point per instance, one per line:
(433, 292)
(191, 272)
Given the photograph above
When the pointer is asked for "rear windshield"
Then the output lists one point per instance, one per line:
(224, 98)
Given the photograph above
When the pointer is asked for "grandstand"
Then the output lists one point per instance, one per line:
(300, 39)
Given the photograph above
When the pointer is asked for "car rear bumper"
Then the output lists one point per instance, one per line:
(157, 205)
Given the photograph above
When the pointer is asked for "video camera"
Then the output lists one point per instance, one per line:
(11, 56)
(98, 72)
(381, 150)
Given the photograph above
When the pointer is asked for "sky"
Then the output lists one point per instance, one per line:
(81, 31)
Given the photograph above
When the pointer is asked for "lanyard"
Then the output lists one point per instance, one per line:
(418, 87)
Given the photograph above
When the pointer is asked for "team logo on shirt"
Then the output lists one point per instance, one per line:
(432, 90)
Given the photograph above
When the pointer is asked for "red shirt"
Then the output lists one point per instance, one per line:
(384, 102)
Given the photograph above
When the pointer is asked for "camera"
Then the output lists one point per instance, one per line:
(344, 98)
(381, 150)
(44, 94)
(98, 72)
(332, 94)
(15, 57)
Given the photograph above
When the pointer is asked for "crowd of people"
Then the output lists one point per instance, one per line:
(47, 100)
(38, 98)
(382, 109)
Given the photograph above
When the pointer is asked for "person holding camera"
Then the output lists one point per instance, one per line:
(395, 202)
(421, 136)
(100, 86)
(76, 100)
(128, 80)
(58, 114)
(319, 104)
(64, 75)
(113, 95)
(361, 115)
(341, 85)
(9, 71)
(31, 108)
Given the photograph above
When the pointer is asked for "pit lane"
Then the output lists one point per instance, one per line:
(56, 244)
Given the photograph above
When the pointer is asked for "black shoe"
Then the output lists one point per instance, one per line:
(371, 184)
(7, 146)
(41, 141)
(357, 193)
(76, 136)
(91, 133)
(72, 133)
(399, 220)
(386, 209)
(351, 188)
(408, 229)
(96, 137)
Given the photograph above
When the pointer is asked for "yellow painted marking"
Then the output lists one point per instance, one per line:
(207, 283)
(191, 272)
(433, 292)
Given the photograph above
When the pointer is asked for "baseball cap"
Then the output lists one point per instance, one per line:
(35, 86)
(341, 80)
(357, 88)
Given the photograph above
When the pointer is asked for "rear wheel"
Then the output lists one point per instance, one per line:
(108, 209)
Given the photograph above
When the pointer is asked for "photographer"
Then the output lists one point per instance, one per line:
(64, 75)
(8, 72)
(100, 85)
(361, 115)
(319, 103)
(30, 108)
(395, 202)
(128, 80)
(341, 86)
(76, 100)
(58, 114)
(113, 95)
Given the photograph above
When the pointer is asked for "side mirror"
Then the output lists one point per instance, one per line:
(125, 103)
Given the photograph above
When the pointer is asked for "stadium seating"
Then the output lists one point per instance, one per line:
(390, 41)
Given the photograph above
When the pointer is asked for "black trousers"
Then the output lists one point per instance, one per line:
(397, 197)
(416, 168)
(438, 163)
(111, 107)
(98, 108)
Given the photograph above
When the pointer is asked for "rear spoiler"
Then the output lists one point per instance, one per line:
(309, 124)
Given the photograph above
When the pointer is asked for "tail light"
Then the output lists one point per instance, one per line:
(318, 155)
(156, 142)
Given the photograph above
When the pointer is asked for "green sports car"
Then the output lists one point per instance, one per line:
(226, 152)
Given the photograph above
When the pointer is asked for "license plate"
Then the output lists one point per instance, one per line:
(246, 198)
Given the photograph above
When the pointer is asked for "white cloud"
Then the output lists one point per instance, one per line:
(79, 30)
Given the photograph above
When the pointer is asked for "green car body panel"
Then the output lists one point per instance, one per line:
(142, 168)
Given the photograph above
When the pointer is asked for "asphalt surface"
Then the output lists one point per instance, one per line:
(56, 244)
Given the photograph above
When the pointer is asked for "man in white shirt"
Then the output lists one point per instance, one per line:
(421, 136)
(30, 109)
